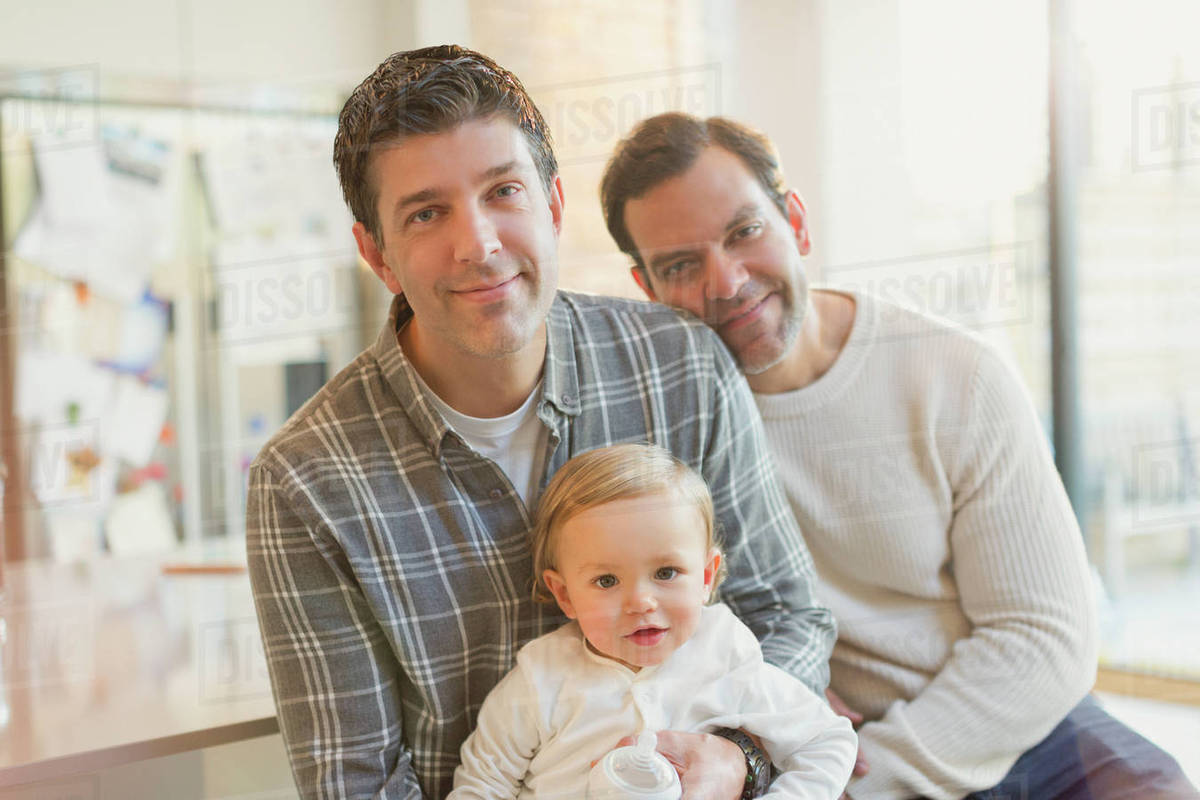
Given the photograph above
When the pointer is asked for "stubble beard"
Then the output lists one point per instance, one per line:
(789, 330)
(515, 326)
(794, 300)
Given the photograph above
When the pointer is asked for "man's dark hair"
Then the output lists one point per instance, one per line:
(430, 90)
(662, 147)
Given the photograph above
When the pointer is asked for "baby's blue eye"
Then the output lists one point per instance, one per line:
(665, 573)
(606, 581)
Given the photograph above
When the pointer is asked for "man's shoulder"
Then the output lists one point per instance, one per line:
(900, 317)
(344, 403)
(623, 316)
(902, 332)
(940, 365)
(618, 335)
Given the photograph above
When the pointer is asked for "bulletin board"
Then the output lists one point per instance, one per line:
(175, 281)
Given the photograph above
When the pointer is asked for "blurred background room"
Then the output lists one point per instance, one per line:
(178, 276)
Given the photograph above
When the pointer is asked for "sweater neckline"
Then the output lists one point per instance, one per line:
(839, 376)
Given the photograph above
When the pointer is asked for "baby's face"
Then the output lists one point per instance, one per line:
(635, 573)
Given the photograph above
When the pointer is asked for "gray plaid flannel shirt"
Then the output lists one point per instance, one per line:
(390, 563)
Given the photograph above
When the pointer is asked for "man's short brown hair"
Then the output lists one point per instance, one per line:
(664, 146)
(428, 91)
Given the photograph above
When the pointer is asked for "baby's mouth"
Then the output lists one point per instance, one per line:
(647, 637)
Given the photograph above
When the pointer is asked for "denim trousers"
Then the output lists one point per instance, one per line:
(1092, 756)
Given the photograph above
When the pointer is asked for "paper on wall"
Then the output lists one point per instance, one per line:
(134, 421)
(55, 389)
(142, 334)
(275, 180)
(140, 522)
(104, 212)
(74, 534)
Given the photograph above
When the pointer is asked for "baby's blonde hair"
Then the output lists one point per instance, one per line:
(601, 476)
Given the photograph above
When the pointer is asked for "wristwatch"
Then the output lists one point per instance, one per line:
(758, 766)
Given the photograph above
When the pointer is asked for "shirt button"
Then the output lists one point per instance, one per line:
(496, 494)
(567, 399)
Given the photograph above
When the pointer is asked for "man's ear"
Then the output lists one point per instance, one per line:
(558, 202)
(558, 588)
(711, 570)
(374, 257)
(798, 220)
(642, 279)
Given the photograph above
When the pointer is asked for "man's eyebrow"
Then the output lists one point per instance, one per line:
(423, 196)
(663, 257)
(743, 215)
(499, 169)
(428, 194)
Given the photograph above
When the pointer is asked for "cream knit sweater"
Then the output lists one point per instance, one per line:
(946, 548)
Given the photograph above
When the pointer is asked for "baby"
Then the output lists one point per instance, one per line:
(623, 541)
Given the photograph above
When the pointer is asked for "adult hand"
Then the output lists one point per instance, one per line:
(861, 767)
(710, 767)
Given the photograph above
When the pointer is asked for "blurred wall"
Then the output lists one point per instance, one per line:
(222, 42)
(594, 66)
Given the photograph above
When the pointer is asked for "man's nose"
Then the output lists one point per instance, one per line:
(475, 236)
(724, 277)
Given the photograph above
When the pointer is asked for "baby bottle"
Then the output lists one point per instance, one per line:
(635, 772)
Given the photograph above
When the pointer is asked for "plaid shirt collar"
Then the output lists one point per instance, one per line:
(560, 375)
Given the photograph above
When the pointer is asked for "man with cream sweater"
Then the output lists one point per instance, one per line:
(914, 462)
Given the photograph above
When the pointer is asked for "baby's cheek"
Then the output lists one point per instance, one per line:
(595, 625)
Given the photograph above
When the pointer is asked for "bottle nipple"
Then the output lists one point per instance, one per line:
(635, 772)
(639, 766)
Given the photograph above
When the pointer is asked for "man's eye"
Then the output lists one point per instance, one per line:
(606, 581)
(746, 231)
(424, 215)
(665, 573)
(508, 190)
(677, 270)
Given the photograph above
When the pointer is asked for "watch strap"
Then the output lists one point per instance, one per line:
(758, 766)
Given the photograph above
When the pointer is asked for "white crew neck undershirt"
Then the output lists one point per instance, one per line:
(516, 441)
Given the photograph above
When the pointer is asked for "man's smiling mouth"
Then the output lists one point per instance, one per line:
(491, 291)
(745, 313)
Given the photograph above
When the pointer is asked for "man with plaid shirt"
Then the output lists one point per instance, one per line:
(387, 520)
